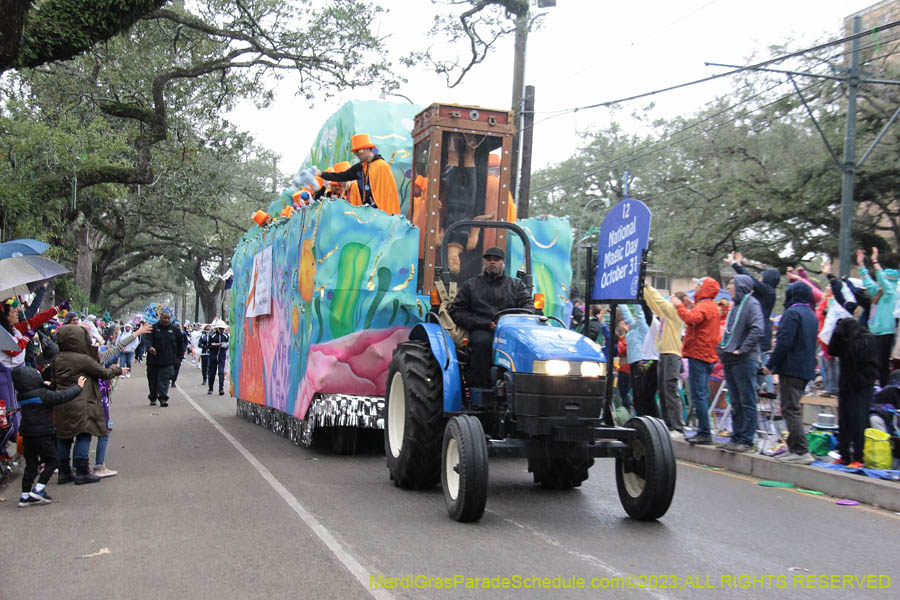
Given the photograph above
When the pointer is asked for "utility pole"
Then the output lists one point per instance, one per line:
(517, 94)
(527, 143)
(848, 167)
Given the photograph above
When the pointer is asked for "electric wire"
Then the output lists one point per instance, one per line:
(661, 144)
(630, 155)
(736, 71)
(560, 112)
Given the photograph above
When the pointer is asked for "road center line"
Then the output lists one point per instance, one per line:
(362, 575)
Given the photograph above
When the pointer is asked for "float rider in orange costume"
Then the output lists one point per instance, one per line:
(372, 174)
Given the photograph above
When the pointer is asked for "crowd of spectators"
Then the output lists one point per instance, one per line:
(838, 338)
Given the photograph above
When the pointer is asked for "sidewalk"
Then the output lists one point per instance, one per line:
(877, 492)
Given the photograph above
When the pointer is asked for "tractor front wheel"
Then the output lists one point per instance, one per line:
(464, 476)
(645, 474)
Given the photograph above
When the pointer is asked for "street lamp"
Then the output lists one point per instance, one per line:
(578, 243)
(384, 95)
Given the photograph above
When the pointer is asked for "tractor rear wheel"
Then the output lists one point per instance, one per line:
(560, 473)
(414, 417)
(464, 476)
(645, 475)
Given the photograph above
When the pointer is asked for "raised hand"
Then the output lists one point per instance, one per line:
(874, 254)
(860, 257)
(738, 258)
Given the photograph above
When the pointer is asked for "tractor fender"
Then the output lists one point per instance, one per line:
(444, 352)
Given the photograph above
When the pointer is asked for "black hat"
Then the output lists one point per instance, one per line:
(495, 251)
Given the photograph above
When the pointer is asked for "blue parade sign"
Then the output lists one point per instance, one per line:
(624, 236)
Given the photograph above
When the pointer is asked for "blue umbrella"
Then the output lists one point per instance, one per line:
(23, 247)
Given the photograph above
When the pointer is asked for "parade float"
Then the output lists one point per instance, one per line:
(324, 294)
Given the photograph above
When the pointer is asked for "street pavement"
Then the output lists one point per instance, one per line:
(207, 505)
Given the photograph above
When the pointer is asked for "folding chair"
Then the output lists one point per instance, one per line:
(767, 430)
(720, 417)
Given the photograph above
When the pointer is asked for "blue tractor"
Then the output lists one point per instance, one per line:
(547, 404)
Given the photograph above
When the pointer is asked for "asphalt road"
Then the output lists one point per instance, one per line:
(207, 505)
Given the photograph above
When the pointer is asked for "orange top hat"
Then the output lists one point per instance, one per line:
(360, 141)
(341, 166)
(287, 212)
(493, 160)
(421, 183)
(260, 216)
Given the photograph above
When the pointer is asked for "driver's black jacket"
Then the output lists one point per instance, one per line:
(481, 297)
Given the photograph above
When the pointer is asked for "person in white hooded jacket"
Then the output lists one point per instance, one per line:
(128, 351)
(90, 323)
(218, 353)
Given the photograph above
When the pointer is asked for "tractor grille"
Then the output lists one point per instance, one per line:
(536, 397)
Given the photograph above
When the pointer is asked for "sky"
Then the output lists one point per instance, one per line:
(586, 52)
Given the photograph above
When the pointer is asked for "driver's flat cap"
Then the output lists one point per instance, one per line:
(495, 251)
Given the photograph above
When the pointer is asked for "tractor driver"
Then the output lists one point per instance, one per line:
(476, 305)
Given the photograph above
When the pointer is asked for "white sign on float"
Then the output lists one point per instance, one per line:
(260, 300)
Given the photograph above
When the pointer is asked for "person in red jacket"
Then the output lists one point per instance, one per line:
(701, 337)
(22, 330)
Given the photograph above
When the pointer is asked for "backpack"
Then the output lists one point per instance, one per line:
(457, 333)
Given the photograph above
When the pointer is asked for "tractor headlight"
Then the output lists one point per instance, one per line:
(552, 367)
(592, 369)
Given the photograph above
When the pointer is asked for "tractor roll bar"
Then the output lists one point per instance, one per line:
(526, 244)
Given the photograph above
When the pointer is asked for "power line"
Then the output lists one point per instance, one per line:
(735, 71)
(630, 155)
(560, 112)
(655, 146)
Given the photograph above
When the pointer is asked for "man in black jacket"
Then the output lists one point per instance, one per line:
(476, 305)
(794, 360)
(161, 357)
(38, 431)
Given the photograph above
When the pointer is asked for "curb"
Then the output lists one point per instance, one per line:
(877, 492)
